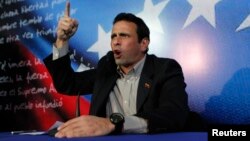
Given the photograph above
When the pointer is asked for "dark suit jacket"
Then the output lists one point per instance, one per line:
(161, 99)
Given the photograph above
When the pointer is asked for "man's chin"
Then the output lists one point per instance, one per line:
(119, 62)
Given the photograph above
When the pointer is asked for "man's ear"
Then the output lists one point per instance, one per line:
(144, 44)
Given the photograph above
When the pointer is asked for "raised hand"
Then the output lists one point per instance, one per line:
(66, 28)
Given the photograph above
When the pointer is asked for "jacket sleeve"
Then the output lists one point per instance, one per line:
(66, 80)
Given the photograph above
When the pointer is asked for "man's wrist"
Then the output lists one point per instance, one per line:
(60, 43)
(118, 120)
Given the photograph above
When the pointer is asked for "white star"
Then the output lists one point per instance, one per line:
(151, 13)
(102, 45)
(205, 8)
(82, 67)
(244, 24)
(151, 16)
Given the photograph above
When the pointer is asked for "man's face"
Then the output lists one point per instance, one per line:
(125, 45)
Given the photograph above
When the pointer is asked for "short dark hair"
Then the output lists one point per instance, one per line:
(142, 28)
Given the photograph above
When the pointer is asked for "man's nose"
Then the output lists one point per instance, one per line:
(117, 41)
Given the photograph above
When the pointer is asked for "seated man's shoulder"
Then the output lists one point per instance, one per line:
(163, 60)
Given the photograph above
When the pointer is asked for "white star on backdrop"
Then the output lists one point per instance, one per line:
(205, 8)
(244, 24)
(102, 44)
(150, 13)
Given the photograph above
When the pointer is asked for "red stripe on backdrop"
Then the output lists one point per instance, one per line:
(51, 106)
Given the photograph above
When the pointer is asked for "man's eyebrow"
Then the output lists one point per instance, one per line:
(120, 34)
(124, 34)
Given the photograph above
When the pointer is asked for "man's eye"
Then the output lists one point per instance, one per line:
(113, 36)
(121, 35)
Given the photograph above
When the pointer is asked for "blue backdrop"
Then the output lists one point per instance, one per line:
(209, 38)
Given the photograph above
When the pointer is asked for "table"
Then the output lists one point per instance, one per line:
(177, 136)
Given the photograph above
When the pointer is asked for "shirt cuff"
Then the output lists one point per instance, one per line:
(135, 124)
(60, 52)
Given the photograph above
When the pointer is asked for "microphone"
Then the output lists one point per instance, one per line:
(78, 105)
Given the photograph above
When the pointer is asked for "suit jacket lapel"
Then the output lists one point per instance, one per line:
(100, 100)
(145, 82)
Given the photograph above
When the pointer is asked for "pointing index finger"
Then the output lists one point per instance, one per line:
(67, 9)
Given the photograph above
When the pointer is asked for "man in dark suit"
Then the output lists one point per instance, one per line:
(133, 92)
